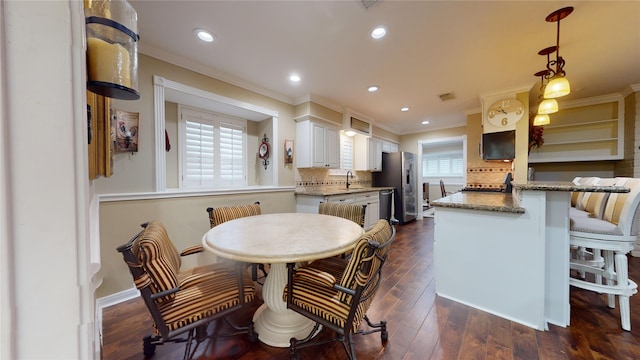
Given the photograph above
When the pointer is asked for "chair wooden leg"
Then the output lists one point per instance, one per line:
(622, 272)
(609, 271)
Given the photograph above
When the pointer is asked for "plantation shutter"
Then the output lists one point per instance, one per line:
(232, 158)
(200, 155)
(346, 152)
(214, 152)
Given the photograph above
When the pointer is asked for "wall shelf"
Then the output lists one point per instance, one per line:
(586, 130)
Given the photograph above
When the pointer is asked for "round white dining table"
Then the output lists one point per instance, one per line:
(278, 239)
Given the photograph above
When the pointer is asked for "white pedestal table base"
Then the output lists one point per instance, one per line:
(274, 323)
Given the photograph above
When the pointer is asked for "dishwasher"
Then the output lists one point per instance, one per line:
(386, 199)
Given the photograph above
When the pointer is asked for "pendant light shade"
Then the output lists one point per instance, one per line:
(557, 87)
(548, 106)
(541, 119)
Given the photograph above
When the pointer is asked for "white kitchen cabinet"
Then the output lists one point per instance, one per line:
(318, 145)
(372, 212)
(368, 154)
(310, 203)
(389, 147)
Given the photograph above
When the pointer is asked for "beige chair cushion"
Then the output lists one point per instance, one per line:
(351, 212)
(220, 215)
(313, 288)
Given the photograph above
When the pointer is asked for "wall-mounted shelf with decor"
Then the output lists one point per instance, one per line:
(586, 130)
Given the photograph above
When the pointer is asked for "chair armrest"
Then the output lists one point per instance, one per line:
(164, 293)
(344, 289)
(317, 276)
(192, 250)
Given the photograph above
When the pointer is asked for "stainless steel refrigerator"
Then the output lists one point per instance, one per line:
(399, 171)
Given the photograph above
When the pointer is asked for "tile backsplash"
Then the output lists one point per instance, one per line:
(487, 177)
(323, 178)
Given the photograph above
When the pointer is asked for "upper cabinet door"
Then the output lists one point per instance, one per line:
(318, 145)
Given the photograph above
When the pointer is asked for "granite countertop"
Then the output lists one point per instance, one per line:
(501, 202)
(488, 201)
(328, 191)
(567, 186)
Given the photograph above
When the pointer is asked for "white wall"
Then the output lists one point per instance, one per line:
(44, 183)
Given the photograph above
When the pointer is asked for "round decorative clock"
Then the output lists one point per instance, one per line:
(263, 151)
(505, 112)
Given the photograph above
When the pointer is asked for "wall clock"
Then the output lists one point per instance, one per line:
(263, 151)
(505, 112)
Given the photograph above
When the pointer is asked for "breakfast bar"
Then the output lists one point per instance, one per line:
(508, 254)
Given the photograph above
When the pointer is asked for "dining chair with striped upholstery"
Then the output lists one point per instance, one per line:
(338, 298)
(183, 303)
(353, 212)
(223, 214)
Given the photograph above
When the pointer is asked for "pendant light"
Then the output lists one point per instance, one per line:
(558, 84)
(548, 106)
(541, 119)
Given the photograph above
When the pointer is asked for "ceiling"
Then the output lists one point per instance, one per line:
(467, 48)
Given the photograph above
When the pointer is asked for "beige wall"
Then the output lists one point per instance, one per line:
(186, 221)
(384, 134)
(184, 217)
(135, 173)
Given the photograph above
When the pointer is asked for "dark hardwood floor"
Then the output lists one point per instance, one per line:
(421, 325)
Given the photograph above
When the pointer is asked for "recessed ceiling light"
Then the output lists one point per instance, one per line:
(426, 122)
(379, 32)
(372, 88)
(204, 35)
(404, 109)
(294, 78)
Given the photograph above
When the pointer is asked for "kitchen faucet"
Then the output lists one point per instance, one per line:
(349, 172)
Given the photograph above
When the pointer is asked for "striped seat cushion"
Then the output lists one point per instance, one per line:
(220, 215)
(312, 284)
(351, 212)
(203, 295)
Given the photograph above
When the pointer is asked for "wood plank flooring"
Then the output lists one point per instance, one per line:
(421, 325)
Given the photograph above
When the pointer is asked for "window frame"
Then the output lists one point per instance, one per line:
(441, 142)
(166, 90)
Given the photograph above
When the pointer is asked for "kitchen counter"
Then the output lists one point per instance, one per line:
(329, 191)
(489, 201)
(501, 202)
(567, 186)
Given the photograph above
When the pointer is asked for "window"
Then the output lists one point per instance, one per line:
(346, 152)
(445, 160)
(213, 150)
(346, 155)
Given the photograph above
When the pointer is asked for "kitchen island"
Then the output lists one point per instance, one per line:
(508, 254)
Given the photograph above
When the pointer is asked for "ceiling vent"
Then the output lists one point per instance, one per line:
(354, 122)
(360, 126)
(447, 96)
(369, 3)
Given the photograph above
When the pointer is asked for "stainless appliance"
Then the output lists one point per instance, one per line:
(399, 172)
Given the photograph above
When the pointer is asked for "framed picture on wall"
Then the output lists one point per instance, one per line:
(288, 151)
(127, 131)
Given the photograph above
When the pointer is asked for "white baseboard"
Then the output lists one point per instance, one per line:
(107, 301)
